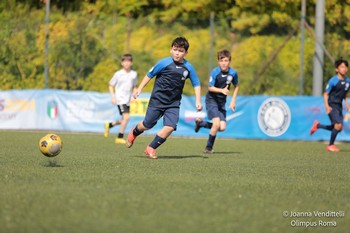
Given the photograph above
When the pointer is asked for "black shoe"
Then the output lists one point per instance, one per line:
(197, 127)
(208, 150)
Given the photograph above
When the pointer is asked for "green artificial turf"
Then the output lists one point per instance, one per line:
(97, 186)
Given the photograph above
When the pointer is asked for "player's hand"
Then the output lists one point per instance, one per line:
(328, 109)
(225, 90)
(136, 93)
(233, 106)
(114, 100)
(199, 107)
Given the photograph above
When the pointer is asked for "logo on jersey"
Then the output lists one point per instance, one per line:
(184, 75)
(274, 117)
(347, 86)
(178, 67)
(229, 79)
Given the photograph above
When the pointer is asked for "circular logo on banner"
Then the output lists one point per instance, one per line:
(274, 117)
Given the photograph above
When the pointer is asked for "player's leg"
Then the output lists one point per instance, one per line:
(109, 125)
(200, 123)
(317, 125)
(212, 135)
(336, 118)
(170, 120)
(150, 120)
(125, 119)
(222, 115)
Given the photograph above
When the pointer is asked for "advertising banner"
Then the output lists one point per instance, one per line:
(256, 117)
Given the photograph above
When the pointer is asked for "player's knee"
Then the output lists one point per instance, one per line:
(215, 126)
(222, 128)
(338, 127)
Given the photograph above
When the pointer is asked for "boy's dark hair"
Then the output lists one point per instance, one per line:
(180, 42)
(340, 60)
(224, 53)
(127, 57)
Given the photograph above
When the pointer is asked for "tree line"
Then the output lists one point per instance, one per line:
(88, 37)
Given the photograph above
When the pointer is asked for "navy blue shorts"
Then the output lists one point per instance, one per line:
(336, 115)
(170, 116)
(214, 110)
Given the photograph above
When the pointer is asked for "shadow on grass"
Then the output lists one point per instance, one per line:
(52, 163)
(176, 157)
(182, 157)
(227, 152)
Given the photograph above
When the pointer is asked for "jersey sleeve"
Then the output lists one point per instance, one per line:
(114, 79)
(235, 77)
(212, 77)
(159, 66)
(135, 80)
(193, 76)
(331, 83)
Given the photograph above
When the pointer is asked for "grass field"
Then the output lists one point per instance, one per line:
(97, 186)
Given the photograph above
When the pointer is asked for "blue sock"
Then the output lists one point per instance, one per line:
(157, 141)
(211, 140)
(333, 136)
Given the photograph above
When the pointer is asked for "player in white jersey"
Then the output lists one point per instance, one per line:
(121, 87)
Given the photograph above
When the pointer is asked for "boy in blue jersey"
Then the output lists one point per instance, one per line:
(220, 81)
(336, 91)
(171, 74)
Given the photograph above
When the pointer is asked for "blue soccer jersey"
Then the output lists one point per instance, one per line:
(337, 90)
(170, 81)
(221, 79)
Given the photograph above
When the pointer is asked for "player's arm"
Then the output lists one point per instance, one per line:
(325, 100)
(197, 92)
(196, 86)
(111, 92)
(224, 90)
(234, 96)
(347, 106)
(143, 83)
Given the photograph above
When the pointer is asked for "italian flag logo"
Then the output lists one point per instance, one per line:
(52, 109)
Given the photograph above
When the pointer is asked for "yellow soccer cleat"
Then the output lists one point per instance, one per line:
(120, 141)
(106, 133)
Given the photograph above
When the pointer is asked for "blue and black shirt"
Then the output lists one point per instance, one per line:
(170, 81)
(221, 79)
(337, 90)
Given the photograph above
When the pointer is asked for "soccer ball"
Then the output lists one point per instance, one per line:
(50, 145)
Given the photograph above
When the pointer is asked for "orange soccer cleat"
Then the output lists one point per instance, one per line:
(151, 153)
(314, 127)
(130, 139)
(332, 148)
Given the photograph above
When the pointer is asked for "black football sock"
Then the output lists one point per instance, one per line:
(110, 125)
(205, 124)
(211, 140)
(136, 131)
(157, 141)
(120, 135)
(333, 136)
(326, 127)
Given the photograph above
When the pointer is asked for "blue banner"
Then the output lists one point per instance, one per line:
(256, 117)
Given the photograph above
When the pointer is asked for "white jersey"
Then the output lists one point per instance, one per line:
(123, 82)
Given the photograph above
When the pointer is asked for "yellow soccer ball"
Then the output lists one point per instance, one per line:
(50, 145)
